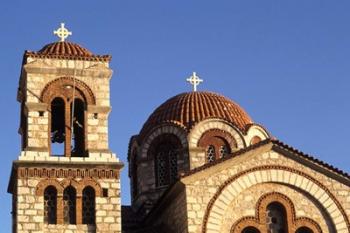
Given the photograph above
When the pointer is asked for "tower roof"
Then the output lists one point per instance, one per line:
(66, 50)
(187, 109)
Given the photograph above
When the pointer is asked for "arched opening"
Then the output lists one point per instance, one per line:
(58, 127)
(50, 205)
(250, 230)
(217, 144)
(165, 150)
(276, 218)
(69, 205)
(78, 128)
(304, 230)
(88, 211)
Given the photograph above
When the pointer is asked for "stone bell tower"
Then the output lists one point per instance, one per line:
(66, 179)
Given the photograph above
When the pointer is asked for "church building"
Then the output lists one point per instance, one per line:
(199, 164)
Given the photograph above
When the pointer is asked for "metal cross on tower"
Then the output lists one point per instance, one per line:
(194, 80)
(62, 32)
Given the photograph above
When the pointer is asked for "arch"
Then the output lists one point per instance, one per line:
(91, 183)
(164, 129)
(250, 229)
(304, 230)
(71, 182)
(89, 205)
(50, 205)
(277, 174)
(287, 216)
(48, 182)
(254, 132)
(55, 88)
(217, 143)
(199, 129)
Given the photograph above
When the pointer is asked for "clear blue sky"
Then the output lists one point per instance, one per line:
(285, 62)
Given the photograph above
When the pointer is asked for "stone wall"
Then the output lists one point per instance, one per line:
(40, 72)
(219, 195)
(30, 210)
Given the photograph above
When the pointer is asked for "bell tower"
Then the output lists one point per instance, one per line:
(65, 178)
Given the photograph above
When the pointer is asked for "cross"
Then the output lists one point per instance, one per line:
(194, 80)
(62, 32)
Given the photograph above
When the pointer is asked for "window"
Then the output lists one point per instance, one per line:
(217, 144)
(276, 218)
(88, 210)
(69, 205)
(50, 205)
(165, 149)
(211, 153)
(250, 230)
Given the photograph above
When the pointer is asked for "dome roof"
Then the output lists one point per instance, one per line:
(66, 50)
(187, 109)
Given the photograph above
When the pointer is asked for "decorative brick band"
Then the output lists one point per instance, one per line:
(259, 220)
(280, 174)
(30, 172)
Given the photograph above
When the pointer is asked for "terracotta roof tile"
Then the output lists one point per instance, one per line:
(187, 109)
(66, 50)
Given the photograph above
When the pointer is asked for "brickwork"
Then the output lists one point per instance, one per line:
(220, 195)
(30, 206)
(90, 75)
(79, 190)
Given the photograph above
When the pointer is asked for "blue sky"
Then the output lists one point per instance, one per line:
(285, 62)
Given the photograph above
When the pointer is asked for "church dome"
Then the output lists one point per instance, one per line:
(187, 109)
(64, 48)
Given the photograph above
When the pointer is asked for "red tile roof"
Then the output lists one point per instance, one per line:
(187, 109)
(66, 50)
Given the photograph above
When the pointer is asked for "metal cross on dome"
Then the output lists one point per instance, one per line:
(194, 80)
(62, 32)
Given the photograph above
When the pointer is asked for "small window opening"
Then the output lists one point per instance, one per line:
(50, 205)
(95, 115)
(88, 205)
(78, 142)
(69, 205)
(41, 113)
(304, 230)
(57, 127)
(105, 192)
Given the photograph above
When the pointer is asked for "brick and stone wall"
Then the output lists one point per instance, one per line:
(30, 209)
(220, 195)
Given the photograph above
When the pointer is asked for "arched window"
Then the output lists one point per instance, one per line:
(68, 99)
(88, 205)
(217, 143)
(304, 230)
(50, 205)
(165, 149)
(69, 205)
(276, 218)
(250, 230)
